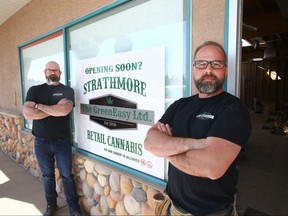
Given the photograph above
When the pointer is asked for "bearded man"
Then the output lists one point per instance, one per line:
(49, 105)
(202, 136)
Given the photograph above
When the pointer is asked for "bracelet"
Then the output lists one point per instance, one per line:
(36, 106)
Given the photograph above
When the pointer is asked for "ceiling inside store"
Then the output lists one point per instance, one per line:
(265, 27)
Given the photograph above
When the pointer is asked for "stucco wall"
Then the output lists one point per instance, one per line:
(207, 24)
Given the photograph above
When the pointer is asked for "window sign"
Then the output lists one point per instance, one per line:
(117, 102)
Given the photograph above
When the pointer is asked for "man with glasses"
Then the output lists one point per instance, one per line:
(202, 136)
(49, 106)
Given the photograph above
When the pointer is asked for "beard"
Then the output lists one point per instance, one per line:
(53, 78)
(208, 87)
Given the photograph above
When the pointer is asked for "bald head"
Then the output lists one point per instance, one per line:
(210, 43)
(52, 73)
(52, 64)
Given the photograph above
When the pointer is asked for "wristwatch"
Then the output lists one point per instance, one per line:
(36, 106)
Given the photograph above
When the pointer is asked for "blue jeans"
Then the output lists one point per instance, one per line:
(47, 151)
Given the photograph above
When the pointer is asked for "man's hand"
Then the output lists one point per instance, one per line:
(31, 113)
(62, 108)
(165, 128)
(160, 142)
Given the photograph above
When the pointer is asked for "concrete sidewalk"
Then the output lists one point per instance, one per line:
(21, 193)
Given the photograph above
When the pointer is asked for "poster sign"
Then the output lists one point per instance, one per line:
(118, 98)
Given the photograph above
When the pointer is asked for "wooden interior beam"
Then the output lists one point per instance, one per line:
(269, 24)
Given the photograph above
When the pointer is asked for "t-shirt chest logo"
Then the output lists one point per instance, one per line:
(205, 116)
(57, 94)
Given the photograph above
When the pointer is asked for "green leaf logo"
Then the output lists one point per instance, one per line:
(109, 100)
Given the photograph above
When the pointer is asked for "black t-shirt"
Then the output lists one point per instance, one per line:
(222, 116)
(51, 127)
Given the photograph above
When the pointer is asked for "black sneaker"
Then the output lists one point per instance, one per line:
(50, 210)
(75, 212)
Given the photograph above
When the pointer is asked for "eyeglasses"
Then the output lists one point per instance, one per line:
(215, 64)
(52, 70)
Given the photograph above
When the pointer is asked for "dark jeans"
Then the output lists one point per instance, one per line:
(46, 151)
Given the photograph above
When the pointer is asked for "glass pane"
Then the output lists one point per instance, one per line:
(137, 26)
(153, 31)
(34, 58)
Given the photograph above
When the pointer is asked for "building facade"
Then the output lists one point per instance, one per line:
(148, 44)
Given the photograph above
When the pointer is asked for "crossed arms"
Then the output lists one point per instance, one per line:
(62, 108)
(209, 157)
